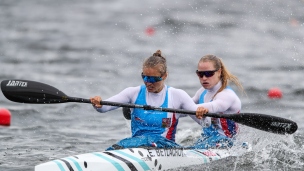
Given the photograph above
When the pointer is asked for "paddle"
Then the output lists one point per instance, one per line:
(25, 91)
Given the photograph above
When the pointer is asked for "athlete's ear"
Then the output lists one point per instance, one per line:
(220, 73)
(165, 76)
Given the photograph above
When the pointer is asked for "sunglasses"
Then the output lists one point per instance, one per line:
(151, 79)
(201, 74)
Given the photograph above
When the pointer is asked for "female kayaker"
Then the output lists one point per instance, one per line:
(216, 96)
(151, 128)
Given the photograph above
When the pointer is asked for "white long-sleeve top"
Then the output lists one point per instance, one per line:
(225, 102)
(178, 99)
(153, 122)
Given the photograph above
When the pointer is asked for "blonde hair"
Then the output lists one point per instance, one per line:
(156, 60)
(226, 76)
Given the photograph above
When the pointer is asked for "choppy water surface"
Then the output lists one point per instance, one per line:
(87, 48)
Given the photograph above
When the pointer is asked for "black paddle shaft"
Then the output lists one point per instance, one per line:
(25, 91)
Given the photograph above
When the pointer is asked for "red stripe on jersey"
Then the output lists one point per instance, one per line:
(225, 127)
(172, 130)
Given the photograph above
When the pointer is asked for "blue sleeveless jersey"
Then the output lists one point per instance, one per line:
(150, 122)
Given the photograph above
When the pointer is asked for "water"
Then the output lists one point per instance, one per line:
(88, 48)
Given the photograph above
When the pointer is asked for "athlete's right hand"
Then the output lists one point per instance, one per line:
(200, 111)
(96, 101)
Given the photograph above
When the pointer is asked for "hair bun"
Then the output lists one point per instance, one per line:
(157, 53)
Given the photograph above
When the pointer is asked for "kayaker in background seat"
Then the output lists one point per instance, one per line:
(216, 96)
(151, 128)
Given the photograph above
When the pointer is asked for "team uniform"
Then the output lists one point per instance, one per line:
(217, 132)
(152, 128)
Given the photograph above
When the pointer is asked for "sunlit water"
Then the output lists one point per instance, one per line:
(87, 48)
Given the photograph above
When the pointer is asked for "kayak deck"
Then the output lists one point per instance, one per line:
(133, 159)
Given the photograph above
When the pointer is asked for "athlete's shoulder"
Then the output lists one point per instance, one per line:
(176, 90)
(228, 92)
(132, 89)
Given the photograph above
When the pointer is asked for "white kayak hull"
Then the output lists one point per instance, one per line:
(133, 159)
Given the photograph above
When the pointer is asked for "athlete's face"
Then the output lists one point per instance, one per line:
(153, 79)
(208, 80)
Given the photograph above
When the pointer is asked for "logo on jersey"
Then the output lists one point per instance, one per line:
(166, 122)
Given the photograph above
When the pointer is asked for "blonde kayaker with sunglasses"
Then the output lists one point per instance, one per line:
(151, 128)
(216, 96)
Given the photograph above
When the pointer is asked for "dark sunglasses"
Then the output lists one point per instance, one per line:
(201, 74)
(151, 79)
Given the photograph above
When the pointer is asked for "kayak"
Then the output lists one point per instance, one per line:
(138, 159)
